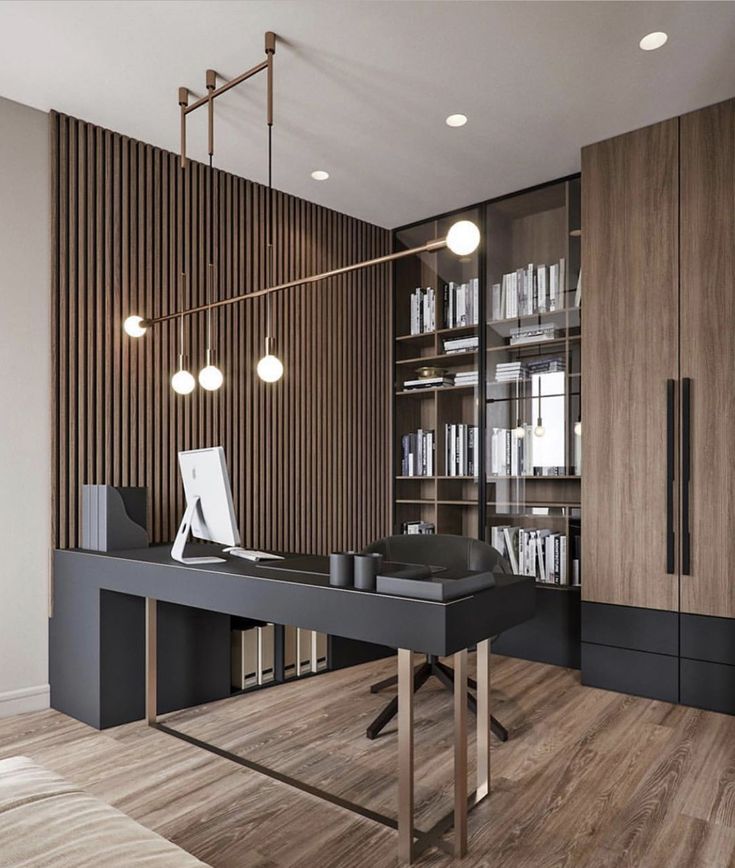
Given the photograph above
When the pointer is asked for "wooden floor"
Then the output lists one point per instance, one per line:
(588, 778)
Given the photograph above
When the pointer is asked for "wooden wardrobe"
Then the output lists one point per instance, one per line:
(658, 495)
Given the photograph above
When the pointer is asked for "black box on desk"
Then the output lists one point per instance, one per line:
(114, 518)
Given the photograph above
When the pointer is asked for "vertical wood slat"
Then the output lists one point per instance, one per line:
(309, 456)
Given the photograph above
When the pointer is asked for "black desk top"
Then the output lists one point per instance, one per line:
(303, 599)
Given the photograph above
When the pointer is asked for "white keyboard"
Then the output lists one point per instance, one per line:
(251, 555)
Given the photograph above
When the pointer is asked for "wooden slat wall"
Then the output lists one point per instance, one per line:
(309, 457)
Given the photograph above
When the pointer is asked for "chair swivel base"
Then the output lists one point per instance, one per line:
(432, 667)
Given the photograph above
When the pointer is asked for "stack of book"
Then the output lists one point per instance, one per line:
(417, 453)
(510, 371)
(508, 454)
(460, 442)
(537, 552)
(529, 290)
(532, 334)
(549, 365)
(461, 303)
(417, 527)
(423, 306)
(466, 378)
(462, 345)
(428, 382)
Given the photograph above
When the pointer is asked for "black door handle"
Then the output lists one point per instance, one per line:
(686, 472)
(670, 474)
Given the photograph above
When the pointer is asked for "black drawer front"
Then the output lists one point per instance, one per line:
(708, 685)
(704, 637)
(650, 630)
(654, 676)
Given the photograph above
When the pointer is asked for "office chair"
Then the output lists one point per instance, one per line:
(441, 550)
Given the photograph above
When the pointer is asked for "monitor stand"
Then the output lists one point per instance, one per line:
(177, 550)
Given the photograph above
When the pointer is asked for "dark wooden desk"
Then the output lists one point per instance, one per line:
(87, 583)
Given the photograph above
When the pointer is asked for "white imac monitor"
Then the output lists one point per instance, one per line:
(209, 514)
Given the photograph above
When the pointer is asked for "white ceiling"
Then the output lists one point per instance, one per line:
(362, 88)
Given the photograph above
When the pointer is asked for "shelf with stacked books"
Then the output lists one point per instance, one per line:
(533, 460)
(437, 374)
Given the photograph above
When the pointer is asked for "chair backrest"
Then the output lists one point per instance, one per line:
(441, 550)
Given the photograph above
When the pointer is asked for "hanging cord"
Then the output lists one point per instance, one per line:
(269, 237)
(210, 267)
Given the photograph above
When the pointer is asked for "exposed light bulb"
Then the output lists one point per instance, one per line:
(652, 41)
(463, 238)
(519, 431)
(539, 430)
(457, 120)
(133, 326)
(578, 428)
(320, 175)
(210, 378)
(183, 382)
(270, 368)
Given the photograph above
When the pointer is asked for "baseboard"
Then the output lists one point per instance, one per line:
(24, 700)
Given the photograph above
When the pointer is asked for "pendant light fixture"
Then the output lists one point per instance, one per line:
(182, 381)
(539, 430)
(519, 430)
(210, 376)
(270, 367)
(462, 239)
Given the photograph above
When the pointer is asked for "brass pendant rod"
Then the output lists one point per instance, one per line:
(228, 85)
(429, 247)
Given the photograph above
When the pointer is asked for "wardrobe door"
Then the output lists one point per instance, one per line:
(708, 359)
(629, 356)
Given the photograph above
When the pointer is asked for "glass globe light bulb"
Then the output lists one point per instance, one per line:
(539, 430)
(270, 368)
(210, 378)
(133, 327)
(183, 382)
(519, 431)
(463, 238)
(578, 429)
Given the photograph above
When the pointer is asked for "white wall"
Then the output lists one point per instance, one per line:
(25, 420)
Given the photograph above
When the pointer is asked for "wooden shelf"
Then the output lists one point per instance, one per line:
(457, 502)
(544, 478)
(433, 389)
(416, 477)
(505, 348)
(456, 330)
(531, 316)
(440, 357)
(417, 500)
(536, 505)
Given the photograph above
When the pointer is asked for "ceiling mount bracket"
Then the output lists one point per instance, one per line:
(213, 92)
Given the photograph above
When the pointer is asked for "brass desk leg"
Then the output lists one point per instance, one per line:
(460, 754)
(483, 719)
(405, 756)
(151, 673)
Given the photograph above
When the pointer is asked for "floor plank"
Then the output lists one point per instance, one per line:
(588, 778)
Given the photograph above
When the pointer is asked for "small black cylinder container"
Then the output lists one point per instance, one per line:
(367, 568)
(341, 569)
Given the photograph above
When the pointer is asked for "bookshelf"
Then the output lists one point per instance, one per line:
(536, 493)
(441, 496)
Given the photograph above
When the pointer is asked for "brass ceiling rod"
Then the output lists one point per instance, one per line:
(214, 92)
(429, 247)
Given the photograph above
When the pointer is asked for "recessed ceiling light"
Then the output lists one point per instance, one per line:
(652, 41)
(456, 120)
(320, 175)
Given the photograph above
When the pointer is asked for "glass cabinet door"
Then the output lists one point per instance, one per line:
(532, 363)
